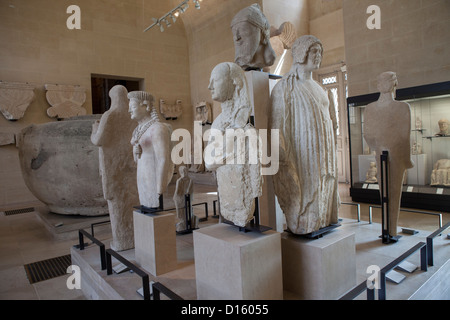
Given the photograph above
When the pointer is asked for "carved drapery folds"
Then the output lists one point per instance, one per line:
(15, 98)
(66, 101)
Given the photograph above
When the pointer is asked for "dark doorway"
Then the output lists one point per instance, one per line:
(101, 85)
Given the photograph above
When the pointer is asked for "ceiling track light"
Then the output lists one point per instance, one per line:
(172, 14)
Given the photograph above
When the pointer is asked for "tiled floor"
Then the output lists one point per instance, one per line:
(24, 239)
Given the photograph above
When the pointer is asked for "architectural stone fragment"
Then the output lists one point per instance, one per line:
(171, 111)
(15, 98)
(66, 101)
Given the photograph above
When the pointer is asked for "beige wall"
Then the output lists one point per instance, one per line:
(38, 48)
(210, 43)
(413, 41)
(293, 11)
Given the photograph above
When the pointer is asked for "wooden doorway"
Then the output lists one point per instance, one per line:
(101, 85)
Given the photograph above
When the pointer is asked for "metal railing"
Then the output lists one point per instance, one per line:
(406, 210)
(136, 269)
(83, 233)
(96, 224)
(358, 208)
(159, 288)
(423, 266)
(430, 243)
(206, 210)
(352, 294)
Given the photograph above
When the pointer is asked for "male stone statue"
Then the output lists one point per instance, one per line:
(383, 133)
(306, 184)
(117, 167)
(184, 186)
(239, 183)
(251, 34)
(151, 149)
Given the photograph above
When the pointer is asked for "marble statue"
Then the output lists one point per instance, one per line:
(171, 111)
(418, 123)
(66, 101)
(15, 98)
(184, 186)
(371, 175)
(383, 133)
(251, 34)
(306, 184)
(203, 113)
(151, 149)
(443, 127)
(239, 183)
(416, 148)
(440, 176)
(118, 171)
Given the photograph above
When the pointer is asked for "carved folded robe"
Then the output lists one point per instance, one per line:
(307, 182)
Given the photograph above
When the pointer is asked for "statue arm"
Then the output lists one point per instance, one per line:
(161, 148)
(333, 115)
(100, 130)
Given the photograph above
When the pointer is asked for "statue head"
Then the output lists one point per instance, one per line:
(141, 104)
(387, 82)
(301, 49)
(251, 35)
(228, 85)
(183, 170)
(443, 126)
(119, 98)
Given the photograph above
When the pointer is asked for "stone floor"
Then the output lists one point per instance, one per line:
(24, 238)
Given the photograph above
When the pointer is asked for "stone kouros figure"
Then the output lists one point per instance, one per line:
(184, 186)
(238, 171)
(440, 176)
(383, 133)
(443, 127)
(251, 34)
(151, 149)
(307, 182)
(371, 175)
(118, 170)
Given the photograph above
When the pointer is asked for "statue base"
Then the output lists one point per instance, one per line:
(232, 265)
(155, 242)
(322, 269)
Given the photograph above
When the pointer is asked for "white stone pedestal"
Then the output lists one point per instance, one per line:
(155, 242)
(322, 269)
(232, 265)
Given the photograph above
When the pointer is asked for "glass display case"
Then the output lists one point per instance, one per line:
(427, 184)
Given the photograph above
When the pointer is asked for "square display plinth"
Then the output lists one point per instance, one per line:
(322, 269)
(233, 265)
(155, 242)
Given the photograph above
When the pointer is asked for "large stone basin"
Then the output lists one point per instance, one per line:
(60, 166)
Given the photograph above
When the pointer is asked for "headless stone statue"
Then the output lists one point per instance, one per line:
(306, 184)
(251, 34)
(184, 186)
(117, 167)
(239, 182)
(388, 128)
(151, 143)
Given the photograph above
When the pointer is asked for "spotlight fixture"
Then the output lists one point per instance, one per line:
(173, 14)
